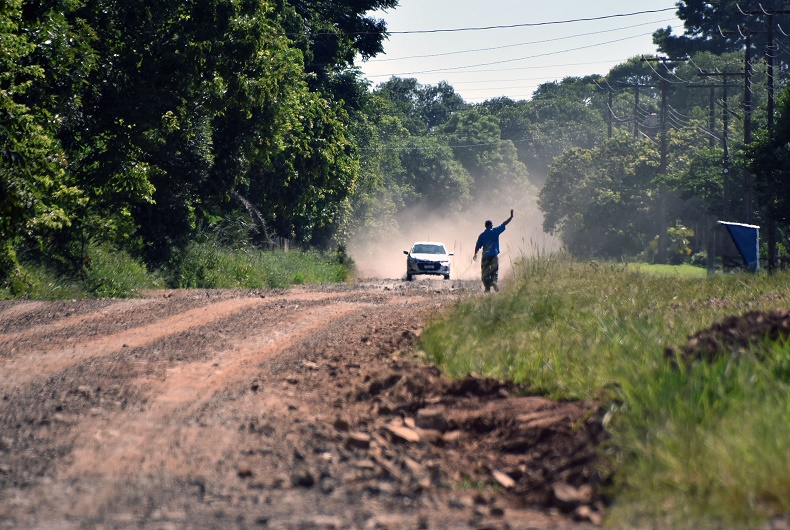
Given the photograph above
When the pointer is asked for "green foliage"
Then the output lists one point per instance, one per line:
(768, 158)
(421, 108)
(699, 447)
(113, 273)
(492, 162)
(678, 244)
(303, 184)
(209, 265)
(559, 117)
(703, 22)
(707, 444)
(602, 201)
(133, 123)
(105, 272)
(37, 282)
(36, 193)
(336, 31)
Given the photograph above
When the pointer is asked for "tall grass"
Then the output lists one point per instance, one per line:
(707, 445)
(105, 272)
(210, 265)
(114, 273)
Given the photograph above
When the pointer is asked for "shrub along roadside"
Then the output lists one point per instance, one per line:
(112, 273)
(208, 265)
(706, 445)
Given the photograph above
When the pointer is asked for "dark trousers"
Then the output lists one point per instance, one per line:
(490, 271)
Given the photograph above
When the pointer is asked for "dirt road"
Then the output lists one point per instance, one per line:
(299, 408)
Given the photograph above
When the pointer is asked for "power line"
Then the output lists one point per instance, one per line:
(504, 69)
(517, 59)
(661, 77)
(377, 60)
(528, 25)
(499, 88)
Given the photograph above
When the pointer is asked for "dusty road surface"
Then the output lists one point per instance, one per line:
(299, 408)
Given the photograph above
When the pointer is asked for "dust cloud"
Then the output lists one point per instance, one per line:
(382, 256)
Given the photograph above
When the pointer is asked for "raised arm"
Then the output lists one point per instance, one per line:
(509, 218)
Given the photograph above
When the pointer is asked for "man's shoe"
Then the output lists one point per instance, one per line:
(496, 288)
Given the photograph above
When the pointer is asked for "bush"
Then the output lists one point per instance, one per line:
(700, 259)
(210, 265)
(109, 272)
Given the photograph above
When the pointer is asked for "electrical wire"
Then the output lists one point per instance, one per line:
(527, 25)
(383, 60)
(673, 109)
(662, 77)
(613, 61)
(708, 133)
(455, 68)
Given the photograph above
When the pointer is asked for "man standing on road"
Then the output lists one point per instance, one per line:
(489, 242)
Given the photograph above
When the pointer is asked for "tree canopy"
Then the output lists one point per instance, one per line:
(138, 122)
(142, 124)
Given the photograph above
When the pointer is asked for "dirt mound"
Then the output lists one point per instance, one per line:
(736, 333)
(484, 433)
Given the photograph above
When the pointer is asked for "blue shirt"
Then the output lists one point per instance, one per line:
(489, 241)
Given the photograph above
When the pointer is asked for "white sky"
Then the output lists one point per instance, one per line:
(526, 56)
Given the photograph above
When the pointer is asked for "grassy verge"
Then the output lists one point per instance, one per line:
(208, 265)
(107, 273)
(704, 446)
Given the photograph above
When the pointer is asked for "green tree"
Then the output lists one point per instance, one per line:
(331, 34)
(602, 201)
(768, 158)
(559, 117)
(492, 162)
(704, 20)
(422, 108)
(432, 173)
(302, 185)
(36, 192)
(196, 100)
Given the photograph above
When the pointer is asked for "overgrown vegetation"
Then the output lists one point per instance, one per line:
(110, 272)
(699, 446)
(113, 135)
(208, 265)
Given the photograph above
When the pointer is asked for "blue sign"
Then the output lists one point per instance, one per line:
(747, 241)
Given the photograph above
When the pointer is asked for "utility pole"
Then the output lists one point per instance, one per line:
(747, 121)
(710, 234)
(636, 87)
(662, 191)
(748, 71)
(725, 143)
(769, 58)
(611, 113)
(636, 111)
(609, 103)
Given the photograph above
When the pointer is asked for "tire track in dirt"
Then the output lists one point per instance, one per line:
(115, 310)
(160, 441)
(266, 408)
(19, 309)
(186, 388)
(26, 364)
